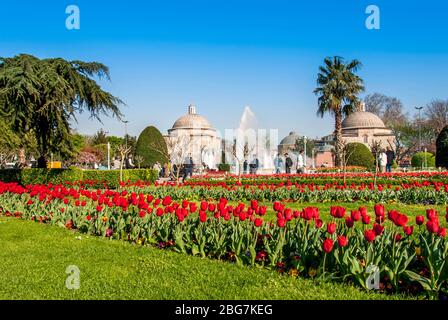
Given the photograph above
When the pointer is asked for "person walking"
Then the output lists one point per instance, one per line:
(382, 161)
(300, 162)
(254, 165)
(390, 159)
(288, 163)
(245, 165)
(278, 163)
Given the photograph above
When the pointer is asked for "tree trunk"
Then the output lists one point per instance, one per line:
(338, 137)
(22, 157)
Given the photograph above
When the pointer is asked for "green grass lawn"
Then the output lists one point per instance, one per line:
(33, 260)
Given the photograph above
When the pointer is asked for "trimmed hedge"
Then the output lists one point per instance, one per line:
(151, 146)
(225, 167)
(98, 178)
(360, 156)
(442, 149)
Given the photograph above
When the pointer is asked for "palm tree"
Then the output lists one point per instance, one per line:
(338, 89)
(44, 96)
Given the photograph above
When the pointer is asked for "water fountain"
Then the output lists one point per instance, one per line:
(257, 143)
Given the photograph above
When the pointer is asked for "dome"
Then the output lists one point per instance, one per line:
(362, 119)
(192, 120)
(290, 139)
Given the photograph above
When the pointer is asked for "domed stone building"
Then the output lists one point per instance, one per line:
(365, 127)
(288, 144)
(193, 134)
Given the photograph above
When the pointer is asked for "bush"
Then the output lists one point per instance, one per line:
(151, 146)
(418, 160)
(359, 155)
(99, 178)
(225, 167)
(442, 149)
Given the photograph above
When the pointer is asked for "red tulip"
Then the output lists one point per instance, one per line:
(99, 208)
(159, 212)
(379, 210)
(349, 222)
(378, 229)
(327, 245)
(258, 222)
(281, 223)
(331, 228)
(369, 235)
(202, 216)
(401, 220)
(342, 241)
(262, 210)
(398, 237)
(337, 212)
(142, 213)
(89, 217)
(356, 215)
(366, 219)
(211, 207)
(420, 220)
(408, 230)
(318, 223)
(432, 226)
(442, 232)
(431, 214)
(166, 201)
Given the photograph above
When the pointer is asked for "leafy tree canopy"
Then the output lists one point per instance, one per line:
(43, 95)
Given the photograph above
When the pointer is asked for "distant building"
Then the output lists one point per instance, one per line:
(288, 144)
(365, 127)
(198, 138)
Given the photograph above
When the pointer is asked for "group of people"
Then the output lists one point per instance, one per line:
(386, 160)
(253, 166)
(173, 171)
(288, 164)
(127, 164)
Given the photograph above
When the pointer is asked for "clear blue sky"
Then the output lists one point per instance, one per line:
(223, 55)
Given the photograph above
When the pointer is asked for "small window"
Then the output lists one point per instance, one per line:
(366, 139)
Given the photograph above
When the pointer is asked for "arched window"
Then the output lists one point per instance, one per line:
(366, 138)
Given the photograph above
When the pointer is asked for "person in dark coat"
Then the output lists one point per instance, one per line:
(288, 163)
(390, 159)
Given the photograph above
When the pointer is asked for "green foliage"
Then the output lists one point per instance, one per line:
(44, 96)
(152, 147)
(99, 178)
(224, 167)
(442, 149)
(358, 154)
(418, 160)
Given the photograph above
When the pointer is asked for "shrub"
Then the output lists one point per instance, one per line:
(99, 178)
(418, 160)
(151, 146)
(442, 149)
(359, 155)
(225, 167)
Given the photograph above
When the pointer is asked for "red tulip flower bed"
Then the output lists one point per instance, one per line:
(409, 254)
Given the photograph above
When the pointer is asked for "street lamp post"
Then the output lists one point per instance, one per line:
(419, 128)
(126, 132)
(304, 151)
(108, 155)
